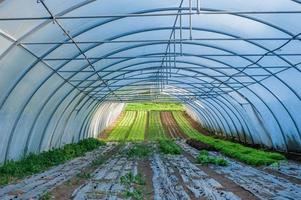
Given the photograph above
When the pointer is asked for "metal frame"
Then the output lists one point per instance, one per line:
(161, 78)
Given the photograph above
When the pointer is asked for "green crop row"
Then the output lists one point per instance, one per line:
(35, 163)
(138, 129)
(155, 127)
(122, 129)
(154, 106)
(245, 154)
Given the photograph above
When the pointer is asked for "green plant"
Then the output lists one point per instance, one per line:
(84, 175)
(122, 129)
(133, 184)
(204, 158)
(155, 127)
(238, 151)
(35, 163)
(154, 106)
(138, 150)
(169, 147)
(45, 196)
(138, 129)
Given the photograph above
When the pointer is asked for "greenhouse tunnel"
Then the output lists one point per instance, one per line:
(68, 68)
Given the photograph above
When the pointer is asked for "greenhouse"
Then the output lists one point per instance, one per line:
(157, 99)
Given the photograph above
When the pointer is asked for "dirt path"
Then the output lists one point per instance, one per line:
(170, 125)
(65, 190)
(105, 181)
(175, 177)
(261, 184)
(34, 186)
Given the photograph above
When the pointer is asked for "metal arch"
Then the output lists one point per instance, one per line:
(79, 5)
(297, 128)
(234, 124)
(64, 12)
(45, 104)
(191, 84)
(59, 120)
(221, 122)
(238, 92)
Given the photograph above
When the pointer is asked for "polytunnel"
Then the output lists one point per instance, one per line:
(67, 68)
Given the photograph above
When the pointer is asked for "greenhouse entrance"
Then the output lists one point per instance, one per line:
(150, 99)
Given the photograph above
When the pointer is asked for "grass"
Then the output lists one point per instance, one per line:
(138, 150)
(154, 106)
(120, 132)
(138, 129)
(155, 127)
(245, 154)
(169, 147)
(134, 185)
(204, 158)
(35, 163)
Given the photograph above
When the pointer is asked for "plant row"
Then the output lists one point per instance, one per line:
(154, 106)
(245, 154)
(138, 129)
(122, 129)
(155, 127)
(35, 163)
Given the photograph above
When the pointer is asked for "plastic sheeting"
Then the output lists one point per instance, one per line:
(235, 64)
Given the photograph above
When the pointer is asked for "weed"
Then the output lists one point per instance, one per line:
(45, 196)
(130, 179)
(138, 150)
(98, 161)
(204, 158)
(133, 184)
(169, 147)
(35, 163)
(84, 175)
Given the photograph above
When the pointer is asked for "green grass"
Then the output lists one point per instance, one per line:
(155, 127)
(245, 154)
(154, 106)
(120, 132)
(169, 147)
(138, 129)
(204, 158)
(35, 163)
(139, 150)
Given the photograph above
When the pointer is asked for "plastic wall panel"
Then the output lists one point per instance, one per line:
(101, 121)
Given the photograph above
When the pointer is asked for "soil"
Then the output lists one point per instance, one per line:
(199, 145)
(65, 190)
(170, 125)
(276, 173)
(197, 126)
(147, 173)
(226, 183)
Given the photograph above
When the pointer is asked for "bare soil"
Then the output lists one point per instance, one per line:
(170, 125)
(65, 190)
(226, 183)
(147, 173)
